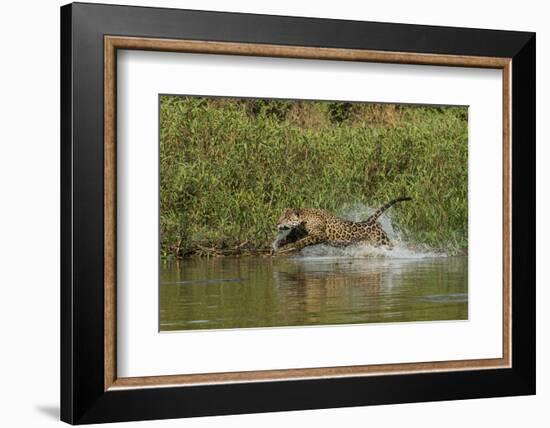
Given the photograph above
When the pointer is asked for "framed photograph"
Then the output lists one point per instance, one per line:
(265, 213)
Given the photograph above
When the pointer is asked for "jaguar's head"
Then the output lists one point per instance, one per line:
(290, 219)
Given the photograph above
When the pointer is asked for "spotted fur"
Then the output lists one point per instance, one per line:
(318, 226)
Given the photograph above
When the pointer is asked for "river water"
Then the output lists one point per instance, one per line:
(243, 292)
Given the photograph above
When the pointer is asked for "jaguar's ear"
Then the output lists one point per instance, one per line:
(296, 212)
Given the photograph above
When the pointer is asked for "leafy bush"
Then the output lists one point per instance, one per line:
(228, 167)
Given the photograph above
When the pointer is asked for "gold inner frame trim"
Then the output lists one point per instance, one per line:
(113, 43)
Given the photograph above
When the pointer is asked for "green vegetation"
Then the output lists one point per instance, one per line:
(228, 167)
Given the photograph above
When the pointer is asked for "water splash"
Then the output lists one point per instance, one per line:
(398, 251)
(359, 212)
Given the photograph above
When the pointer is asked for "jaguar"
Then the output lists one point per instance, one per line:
(303, 227)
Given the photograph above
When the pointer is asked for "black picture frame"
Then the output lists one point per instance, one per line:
(83, 398)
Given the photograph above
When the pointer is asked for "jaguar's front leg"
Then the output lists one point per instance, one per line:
(302, 243)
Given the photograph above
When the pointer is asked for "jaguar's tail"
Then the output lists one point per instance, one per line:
(374, 216)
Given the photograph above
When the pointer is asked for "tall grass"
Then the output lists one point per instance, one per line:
(228, 167)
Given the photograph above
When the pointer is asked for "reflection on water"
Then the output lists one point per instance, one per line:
(264, 292)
